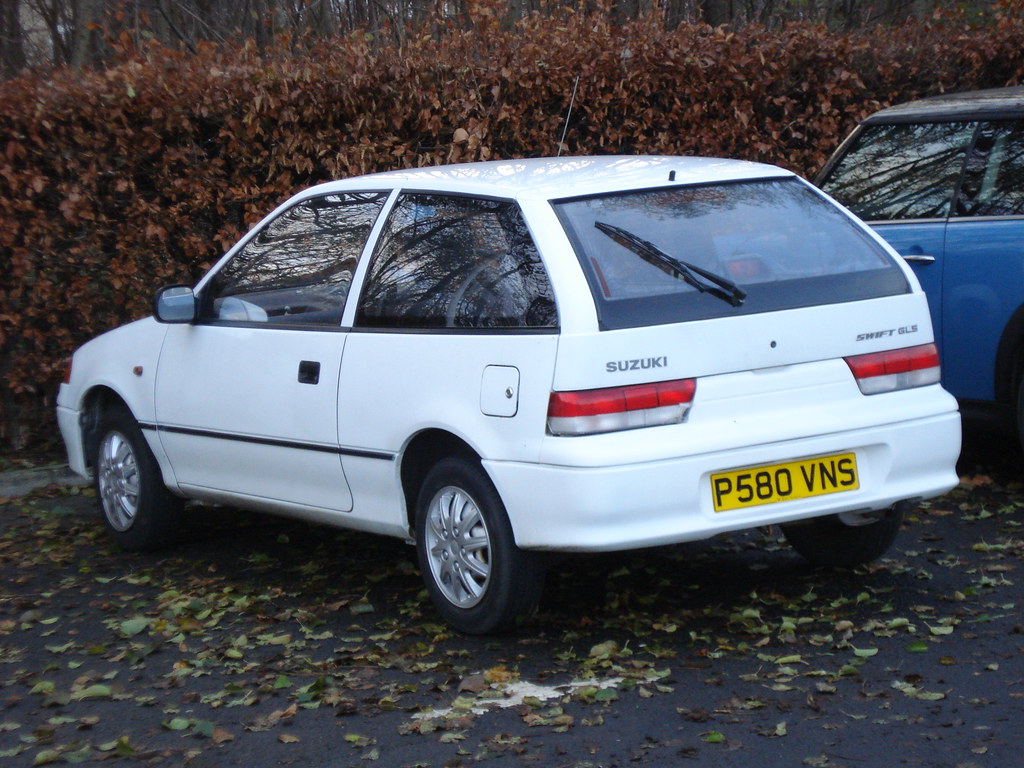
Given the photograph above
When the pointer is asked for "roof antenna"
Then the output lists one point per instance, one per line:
(568, 114)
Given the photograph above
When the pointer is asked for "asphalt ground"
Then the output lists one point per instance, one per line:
(257, 641)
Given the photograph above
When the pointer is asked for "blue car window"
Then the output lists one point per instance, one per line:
(994, 173)
(901, 171)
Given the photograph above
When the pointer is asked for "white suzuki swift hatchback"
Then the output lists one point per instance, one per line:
(502, 359)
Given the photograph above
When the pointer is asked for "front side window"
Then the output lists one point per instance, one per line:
(456, 262)
(297, 269)
(993, 182)
(901, 171)
(697, 252)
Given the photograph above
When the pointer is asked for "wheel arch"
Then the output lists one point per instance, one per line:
(1009, 368)
(97, 401)
(423, 451)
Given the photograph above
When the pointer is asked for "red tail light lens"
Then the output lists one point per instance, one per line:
(590, 411)
(896, 369)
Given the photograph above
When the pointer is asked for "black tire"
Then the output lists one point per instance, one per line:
(829, 541)
(139, 512)
(1020, 412)
(478, 579)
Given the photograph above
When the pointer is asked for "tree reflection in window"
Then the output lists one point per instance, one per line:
(754, 233)
(904, 171)
(298, 268)
(778, 239)
(456, 262)
(994, 177)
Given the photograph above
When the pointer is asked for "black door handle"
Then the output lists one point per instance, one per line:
(309, 372)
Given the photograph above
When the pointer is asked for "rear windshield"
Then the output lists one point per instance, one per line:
(696, 252)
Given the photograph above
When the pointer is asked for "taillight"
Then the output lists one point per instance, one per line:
(590, 411)
(896, 369)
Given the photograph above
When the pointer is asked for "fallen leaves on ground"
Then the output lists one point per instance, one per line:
(256, 625)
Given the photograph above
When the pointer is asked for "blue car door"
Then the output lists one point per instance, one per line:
(983, 269)
(901, 179)
(922, 244)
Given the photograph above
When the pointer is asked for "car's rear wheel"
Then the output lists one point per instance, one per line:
(1020, 411)
(833, 541)
(138, 510)
(477, 577)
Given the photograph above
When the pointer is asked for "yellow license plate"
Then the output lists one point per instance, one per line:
(772, 483)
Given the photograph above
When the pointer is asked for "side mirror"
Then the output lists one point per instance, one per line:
(175, 304)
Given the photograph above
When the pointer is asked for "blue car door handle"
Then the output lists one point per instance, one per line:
(918, 258)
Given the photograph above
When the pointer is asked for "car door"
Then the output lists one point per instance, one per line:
(246, 397)
(983, 276)
(901, 178)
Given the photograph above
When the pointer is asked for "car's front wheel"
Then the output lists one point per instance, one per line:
(138, 510)
(833, 541)
(477, 577)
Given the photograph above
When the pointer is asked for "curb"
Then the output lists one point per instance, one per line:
(20, 482)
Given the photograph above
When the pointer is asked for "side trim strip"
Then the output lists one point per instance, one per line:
(382, 455)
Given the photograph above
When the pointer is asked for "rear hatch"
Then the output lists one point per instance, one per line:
(757, 307)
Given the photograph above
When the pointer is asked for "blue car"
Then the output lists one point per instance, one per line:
(942, 180)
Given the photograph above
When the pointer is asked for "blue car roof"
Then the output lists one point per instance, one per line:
(972, 105)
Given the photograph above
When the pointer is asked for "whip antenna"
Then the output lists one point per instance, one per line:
(568, 114)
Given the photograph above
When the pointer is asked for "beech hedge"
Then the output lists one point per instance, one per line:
(115, 182)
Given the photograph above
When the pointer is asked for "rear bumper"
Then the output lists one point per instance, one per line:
(669, 501)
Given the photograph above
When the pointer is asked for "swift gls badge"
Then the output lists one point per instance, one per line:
(886, 333)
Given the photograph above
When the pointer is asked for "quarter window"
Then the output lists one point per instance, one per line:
(456, 262)
(901, 171)
(994, 174)
(298, 268)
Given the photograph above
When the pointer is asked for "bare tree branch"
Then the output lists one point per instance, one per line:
(174, 27)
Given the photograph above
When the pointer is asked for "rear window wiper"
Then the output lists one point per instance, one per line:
(716, 285)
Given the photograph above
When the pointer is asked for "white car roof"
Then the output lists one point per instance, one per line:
(551, 178)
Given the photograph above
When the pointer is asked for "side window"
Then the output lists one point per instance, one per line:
(297, 269)
(456, 262)
(994, 175)
(903, 171)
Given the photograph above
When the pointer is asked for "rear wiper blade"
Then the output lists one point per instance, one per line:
(716, 285)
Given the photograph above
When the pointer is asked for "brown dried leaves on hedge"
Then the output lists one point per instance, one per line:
(114, 182)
